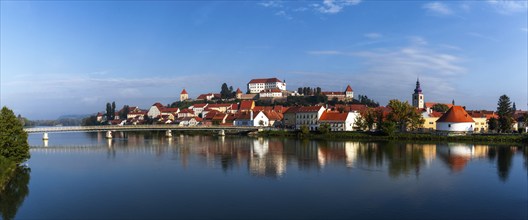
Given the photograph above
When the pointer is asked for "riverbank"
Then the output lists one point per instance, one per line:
(422, 137)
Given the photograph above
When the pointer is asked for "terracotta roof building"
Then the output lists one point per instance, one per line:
(456, 119)
(257, 85)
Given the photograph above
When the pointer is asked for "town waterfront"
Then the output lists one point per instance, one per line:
(148, 176)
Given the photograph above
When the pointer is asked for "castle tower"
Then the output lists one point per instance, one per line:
(418, 97)
(349, 93)
(184, 95)
(238, 93)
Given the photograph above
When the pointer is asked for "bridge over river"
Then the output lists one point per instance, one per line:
(112, 128)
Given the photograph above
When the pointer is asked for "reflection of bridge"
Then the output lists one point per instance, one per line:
(112, 128)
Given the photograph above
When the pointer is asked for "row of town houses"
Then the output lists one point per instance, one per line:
(243, 113)
(340, 117)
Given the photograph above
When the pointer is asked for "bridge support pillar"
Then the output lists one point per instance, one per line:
(221, 133)
(45, 136)
(168, 133)
(109, 135)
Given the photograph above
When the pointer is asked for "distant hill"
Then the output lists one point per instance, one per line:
(79, 116)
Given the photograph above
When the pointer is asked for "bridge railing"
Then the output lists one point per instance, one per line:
(132, 127)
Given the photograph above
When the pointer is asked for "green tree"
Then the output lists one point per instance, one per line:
(124, 112)
(493, 124)
(113, 110)
(13, 138)
(440, 107)
(404, 115)
(388, 127)
(361, 123)
(304, 130)
(504, 110)
(224, 92)
(108, 111)
(324, 128)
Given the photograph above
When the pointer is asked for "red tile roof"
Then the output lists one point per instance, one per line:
(292, 110)
(246, 104)
(309, 109)
(348, 89)
(269, 80)
(169, 110)
(238, 90)
(157, 104)
(219, 116)
(436, 114)
(273, 116)
(186, 110)
(456, 114)
(210, 115)
(334, 116)
(199, 105)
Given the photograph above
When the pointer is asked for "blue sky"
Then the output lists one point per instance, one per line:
(71, 57)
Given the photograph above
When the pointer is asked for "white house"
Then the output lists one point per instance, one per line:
(257, 85)
(249, 119)
(189, 121)
(270, 93)
(155, 110)
(198, 108)
(339, 121)
(456, 119)
(308, 116)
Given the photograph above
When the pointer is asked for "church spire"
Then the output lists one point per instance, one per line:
(418, 88)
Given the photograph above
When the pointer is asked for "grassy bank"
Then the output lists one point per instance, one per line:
(374, 136)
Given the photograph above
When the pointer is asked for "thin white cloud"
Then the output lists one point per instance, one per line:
(373, 35)
(334, 6)
(509, 6)
(396, 69)
(524, 29)
(416, 40)
(438, 8)
(271, 4)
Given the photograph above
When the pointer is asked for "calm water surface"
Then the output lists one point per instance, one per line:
(147, 176)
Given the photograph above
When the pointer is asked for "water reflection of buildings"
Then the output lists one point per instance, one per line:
(267, 158)
(272, 157)
(457, 156)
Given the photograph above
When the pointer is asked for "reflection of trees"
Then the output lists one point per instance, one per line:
(504, 161)
(14, 193)
(404, 158)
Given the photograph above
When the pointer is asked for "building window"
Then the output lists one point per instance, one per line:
(449, 125)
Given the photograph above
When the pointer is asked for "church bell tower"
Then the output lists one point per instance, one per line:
(418, 97)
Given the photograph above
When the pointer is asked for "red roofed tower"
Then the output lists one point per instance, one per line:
(349, 93)
(238, 93)
(184, 95)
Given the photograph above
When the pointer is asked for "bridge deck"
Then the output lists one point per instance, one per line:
(135, 128)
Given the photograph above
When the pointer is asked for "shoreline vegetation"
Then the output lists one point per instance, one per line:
(420, 137)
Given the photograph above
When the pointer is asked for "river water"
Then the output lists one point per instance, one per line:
(148, 176)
